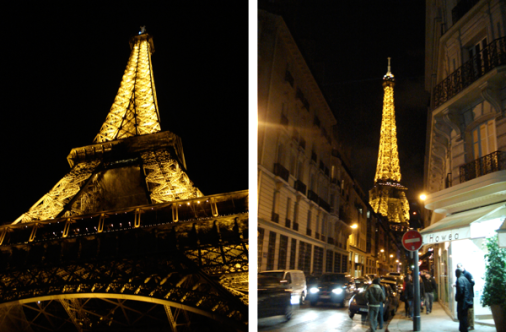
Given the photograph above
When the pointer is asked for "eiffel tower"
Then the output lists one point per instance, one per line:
(125, 241)
(387, 197)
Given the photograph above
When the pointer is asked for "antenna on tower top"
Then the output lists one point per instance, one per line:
(388, 76)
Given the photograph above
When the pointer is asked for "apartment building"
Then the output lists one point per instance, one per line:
(465, 170)
(307, 197)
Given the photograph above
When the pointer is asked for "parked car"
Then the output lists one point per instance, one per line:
(295, 283)
(396, 274)
(358, 302)
(331, 288)
(395, 282)
(272, 298)
(360, 281)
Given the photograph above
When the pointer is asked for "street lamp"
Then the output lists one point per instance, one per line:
(382, 250)
(354, 226)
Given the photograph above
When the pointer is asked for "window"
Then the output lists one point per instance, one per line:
(260, 246)
(281, 154)
(283, 251)
(328, 261)
(337, 263)
(293, 250)
(305, 257)
(484, 139)
(318, 260)
(478, 56)
(270, 251)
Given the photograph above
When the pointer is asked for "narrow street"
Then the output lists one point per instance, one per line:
(321, 318)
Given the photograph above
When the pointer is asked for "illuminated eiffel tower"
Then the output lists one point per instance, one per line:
(125, 241)
(387, 197)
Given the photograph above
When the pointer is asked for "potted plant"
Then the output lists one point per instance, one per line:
(494, 291)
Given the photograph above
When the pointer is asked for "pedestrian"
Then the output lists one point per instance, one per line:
(464, 299)
(470, 278)
(380, 313)
(375, 297)
(422, 293)
(430, 288)
(408, 291)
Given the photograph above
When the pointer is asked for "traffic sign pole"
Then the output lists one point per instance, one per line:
(416, 296)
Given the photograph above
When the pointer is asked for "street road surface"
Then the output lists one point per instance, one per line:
(322, 318)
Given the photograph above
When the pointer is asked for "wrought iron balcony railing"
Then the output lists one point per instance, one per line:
(312, 196)
(300, 186)
(280, 171)
(496, 161)
(490, 57)
(324, 204)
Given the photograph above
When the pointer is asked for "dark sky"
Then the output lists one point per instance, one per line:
(62, 66)
(346, 45)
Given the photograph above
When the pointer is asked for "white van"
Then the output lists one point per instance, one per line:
(295, 281)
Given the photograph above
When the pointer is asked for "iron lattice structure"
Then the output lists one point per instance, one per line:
(387, 197)
(135, 109)
(125, 241)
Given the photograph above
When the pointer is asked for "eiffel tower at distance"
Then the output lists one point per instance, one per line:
(388, 197)
(125, 241)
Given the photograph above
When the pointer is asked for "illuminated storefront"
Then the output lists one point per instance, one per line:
(460, 238)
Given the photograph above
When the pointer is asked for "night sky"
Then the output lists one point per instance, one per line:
(62, 67)
(346, 47)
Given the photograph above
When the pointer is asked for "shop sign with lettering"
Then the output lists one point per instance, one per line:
(447, 235)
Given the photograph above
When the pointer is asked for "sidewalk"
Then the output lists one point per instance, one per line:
(437, 320)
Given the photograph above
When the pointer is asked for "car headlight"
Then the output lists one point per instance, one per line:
(361, 290)
(313, 290)
(337, 291)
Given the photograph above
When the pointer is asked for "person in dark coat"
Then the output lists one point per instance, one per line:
(470, 312)
(408, 291)
(464, 299)
(430, 288)
(422, 292)
(375, 297)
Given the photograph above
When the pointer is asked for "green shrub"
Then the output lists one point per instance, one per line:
(494, 291)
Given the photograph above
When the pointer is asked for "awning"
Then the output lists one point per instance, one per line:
(457, 226)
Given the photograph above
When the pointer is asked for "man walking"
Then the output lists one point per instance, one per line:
(470, 278)
(464, 299)
(430, 287)
(375, 297)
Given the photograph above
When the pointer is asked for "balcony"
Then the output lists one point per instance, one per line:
(330, 240)
(300, 186)
(289, 78)
(492, 56)
(300, 95)
(323, 204)
(275, 217)
(462, 8)
(280, 171)
(288, 223)
(302, 144)
(496, 161)
(312, 196)
(295, 226)
(308, 232)
(317, 235)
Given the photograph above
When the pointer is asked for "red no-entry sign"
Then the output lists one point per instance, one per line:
(412, 240)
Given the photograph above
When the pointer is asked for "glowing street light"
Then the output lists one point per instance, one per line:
(354, 226)
(382, 250)
(391, 256)
(423, 197)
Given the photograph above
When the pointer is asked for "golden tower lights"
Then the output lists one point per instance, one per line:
(387, 197)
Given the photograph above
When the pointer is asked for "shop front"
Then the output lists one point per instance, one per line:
(460, 238)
